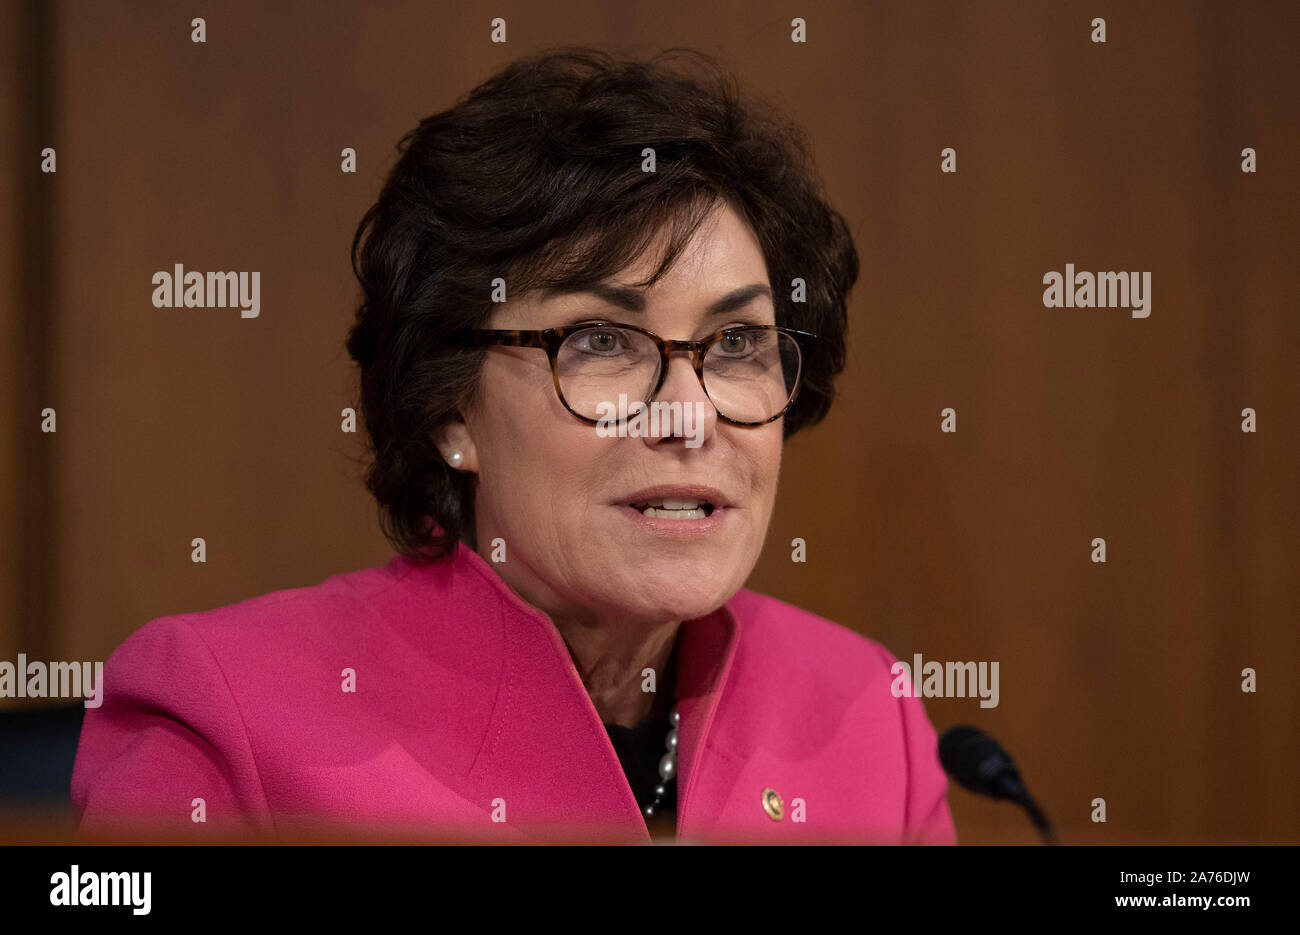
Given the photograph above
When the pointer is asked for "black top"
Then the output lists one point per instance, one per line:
(640, 749)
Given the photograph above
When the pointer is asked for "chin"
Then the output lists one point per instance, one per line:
(681, 591)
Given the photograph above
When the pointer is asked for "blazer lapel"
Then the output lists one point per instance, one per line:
(705, 772)
(546, 747)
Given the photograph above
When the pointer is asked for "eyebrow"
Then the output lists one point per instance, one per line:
(633, 300)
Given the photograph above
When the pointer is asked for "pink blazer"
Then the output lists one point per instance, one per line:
(468, 718)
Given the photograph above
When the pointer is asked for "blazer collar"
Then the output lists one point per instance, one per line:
(544, 739)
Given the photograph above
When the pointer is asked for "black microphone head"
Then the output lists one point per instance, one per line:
(978, 763)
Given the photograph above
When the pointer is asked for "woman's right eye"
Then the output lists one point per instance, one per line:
(600, 341)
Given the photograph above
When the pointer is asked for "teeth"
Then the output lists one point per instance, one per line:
(674, 508)
(673, 513)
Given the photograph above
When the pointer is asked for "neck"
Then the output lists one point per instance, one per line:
(610, 658)
(609, 651)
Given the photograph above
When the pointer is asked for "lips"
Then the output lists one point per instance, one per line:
(676, 501)
(675, 509)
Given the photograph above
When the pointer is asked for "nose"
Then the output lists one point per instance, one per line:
(696, 419)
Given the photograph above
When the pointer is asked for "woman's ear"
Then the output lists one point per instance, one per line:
(457, 447)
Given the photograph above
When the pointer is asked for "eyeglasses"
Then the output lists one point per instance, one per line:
(749, 372)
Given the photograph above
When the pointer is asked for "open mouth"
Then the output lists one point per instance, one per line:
(674, 508)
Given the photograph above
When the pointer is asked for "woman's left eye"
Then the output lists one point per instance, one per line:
(735, 343)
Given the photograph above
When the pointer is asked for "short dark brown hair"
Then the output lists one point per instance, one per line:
(535, 177)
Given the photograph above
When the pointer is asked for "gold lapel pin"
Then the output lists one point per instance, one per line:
(773, 805)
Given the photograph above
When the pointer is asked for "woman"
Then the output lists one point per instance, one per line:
(562, 645)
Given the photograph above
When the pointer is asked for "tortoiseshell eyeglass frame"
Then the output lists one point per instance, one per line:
(550, 339)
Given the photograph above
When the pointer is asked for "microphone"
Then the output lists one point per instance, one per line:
(978, 763)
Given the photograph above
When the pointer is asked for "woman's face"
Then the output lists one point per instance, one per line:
(559, 494)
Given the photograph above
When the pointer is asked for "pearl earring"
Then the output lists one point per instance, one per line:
(456, 458)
